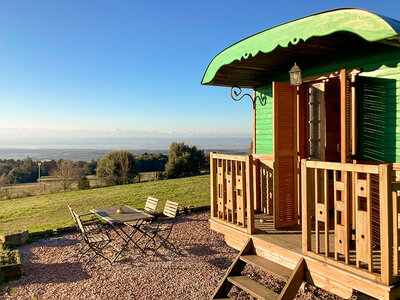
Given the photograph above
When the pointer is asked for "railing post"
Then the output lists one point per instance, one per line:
(305, 210)
(386, 222)
(213, 186)
(256, 184)
(249, 194)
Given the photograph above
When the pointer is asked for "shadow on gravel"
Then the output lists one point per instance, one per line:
(182, 219)
(201, 250)
(56, 273)
(220, 262)
(62, 242)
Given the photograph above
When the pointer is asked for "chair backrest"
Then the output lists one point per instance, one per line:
(151, 204)
(73, 214)
(79, 222)
(170, 209)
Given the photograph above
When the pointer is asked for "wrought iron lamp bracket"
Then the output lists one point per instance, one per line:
(236, 95)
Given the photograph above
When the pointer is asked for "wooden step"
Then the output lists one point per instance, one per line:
(268, 266)
(252, 287)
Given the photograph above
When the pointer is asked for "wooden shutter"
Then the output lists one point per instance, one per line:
(285, 154)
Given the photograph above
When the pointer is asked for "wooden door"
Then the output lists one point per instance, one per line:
(285, 154)
(316, 121)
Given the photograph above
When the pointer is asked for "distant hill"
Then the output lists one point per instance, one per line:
(95, 148)
(84, 154)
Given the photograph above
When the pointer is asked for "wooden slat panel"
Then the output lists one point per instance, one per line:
(171, 208)
(342, 226)
(240, 204)
(363, 210)
(285, 154)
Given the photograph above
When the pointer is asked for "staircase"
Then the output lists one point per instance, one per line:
(233, 276)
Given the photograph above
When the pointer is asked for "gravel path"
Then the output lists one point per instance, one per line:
(53, 272)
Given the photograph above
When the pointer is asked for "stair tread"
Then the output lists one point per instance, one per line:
(252, 287)
(268, 266)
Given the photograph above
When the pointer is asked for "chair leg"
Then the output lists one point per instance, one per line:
(98, 251)
(164, 240)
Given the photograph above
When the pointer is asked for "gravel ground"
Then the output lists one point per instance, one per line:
(53, 272)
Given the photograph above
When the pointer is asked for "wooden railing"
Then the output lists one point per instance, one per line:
(362, 238)
(396, 227)
(239, 186)
(232, 190)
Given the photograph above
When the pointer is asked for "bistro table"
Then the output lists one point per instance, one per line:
(131, 216)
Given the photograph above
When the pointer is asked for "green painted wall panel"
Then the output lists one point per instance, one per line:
(264, 124)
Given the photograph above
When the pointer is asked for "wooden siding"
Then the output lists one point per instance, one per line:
(378, 107)
(264, 121)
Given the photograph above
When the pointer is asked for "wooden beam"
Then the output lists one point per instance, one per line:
(373, 169)
(254, 121)
(213, 185)
(294, 282)
(250, 194)
(230, 157)
(305, 214)
(386, 223)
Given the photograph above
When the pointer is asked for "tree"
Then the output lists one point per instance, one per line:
(117, 167)
(184, 160)
(83, 183)
(150, 162)
(25, 172)
(67, 172)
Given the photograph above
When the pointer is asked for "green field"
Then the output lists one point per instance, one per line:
(50, 211)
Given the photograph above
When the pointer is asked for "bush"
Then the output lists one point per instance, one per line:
(184, 160)
(117, 167)
(83, 183)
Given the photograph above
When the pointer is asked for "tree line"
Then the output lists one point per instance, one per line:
(116, 167)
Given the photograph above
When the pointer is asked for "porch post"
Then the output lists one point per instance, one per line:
(213, 185)
(249, 194)
(386, 222)
(305, 212)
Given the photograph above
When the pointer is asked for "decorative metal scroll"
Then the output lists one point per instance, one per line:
(236, 95)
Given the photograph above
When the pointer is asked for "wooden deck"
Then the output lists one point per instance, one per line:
(285, 247)
(290, 238)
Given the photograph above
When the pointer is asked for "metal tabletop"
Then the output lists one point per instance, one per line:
(110, 215)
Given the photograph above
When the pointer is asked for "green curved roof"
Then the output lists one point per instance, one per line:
(369, 26)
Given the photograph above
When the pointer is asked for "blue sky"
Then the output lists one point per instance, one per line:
(132, 65)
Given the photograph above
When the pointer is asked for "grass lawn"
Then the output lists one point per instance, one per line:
(50, 211)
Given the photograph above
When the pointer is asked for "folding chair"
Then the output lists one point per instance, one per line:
(96, 241)
(91, 225)
(163, 227)
(151, 205)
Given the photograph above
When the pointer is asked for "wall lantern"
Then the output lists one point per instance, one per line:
(295, 75)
